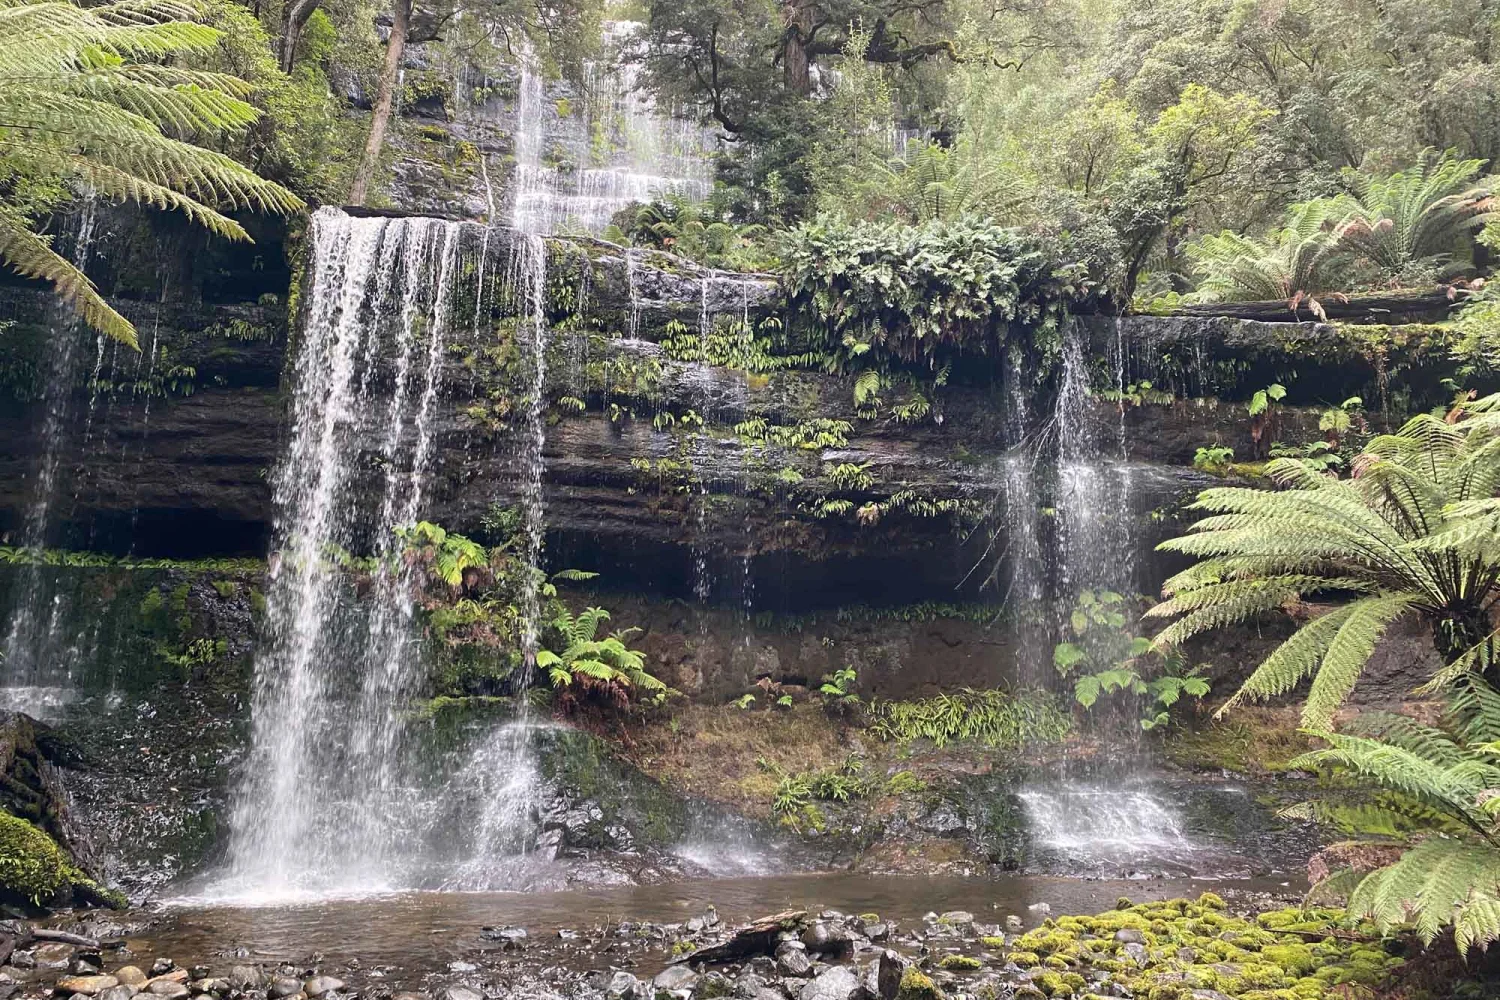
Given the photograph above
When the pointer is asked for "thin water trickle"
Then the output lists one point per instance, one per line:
(40, 653)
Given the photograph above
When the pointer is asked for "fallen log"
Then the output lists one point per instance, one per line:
(759, 937)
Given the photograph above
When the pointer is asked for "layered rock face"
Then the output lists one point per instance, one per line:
(772, 481)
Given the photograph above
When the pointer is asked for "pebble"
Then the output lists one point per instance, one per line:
(285, 986)
(89, 986)
(318, 985)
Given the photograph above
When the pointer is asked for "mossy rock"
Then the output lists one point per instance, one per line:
(959, 963)
(34, 870)
(917, 985)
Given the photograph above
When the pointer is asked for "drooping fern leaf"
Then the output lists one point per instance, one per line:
(103, 98)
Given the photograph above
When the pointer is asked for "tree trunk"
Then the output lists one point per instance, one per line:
(297, 13)
(385, 98)
(795, 64)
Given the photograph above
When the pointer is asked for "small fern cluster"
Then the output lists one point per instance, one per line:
(993, 718)
(583, 665)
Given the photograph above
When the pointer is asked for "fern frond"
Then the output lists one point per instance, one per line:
(29, 255)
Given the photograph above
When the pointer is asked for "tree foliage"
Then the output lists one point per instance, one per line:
(106, 98)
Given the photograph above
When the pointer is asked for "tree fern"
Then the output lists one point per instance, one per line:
(1296, 262)
(1408, 224)
(1434, 788)
(102, 98)
(1412, 530)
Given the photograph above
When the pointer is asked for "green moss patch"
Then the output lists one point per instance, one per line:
(1170, 950)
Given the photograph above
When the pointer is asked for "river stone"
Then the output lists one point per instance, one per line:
(836, 983)
(792, 960)
(89, 986)
(1130, 935)
(121, 992)
(210, 984)
(888, 974)
(675, 977)
(620, 984)
(820, 937)
(512, 938)
(960, 919)
(1013, 924)
(131, 975)
(241, 977)
(285, 986)
(1136, 953)
(168, 988)
(1210, 995)
(86, 965)
(460, 993)
(162, 966)
(877, 931)
(52, 955)
(410, 996)
(318, 985)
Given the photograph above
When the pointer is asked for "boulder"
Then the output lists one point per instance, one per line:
(131, 975)
(675, 977)
(835, 983)
(88, 986)
(285, 986)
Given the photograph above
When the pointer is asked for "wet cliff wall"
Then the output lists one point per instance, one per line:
(686, 460)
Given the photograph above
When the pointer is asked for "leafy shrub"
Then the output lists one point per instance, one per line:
(913, 293)
(1105, 659)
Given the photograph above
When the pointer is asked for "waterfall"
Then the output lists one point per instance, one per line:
(615, 149)
(38, 655)
(1122, 822)
(321, 804)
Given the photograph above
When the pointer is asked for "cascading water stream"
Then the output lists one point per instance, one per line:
(1079, 475)
(38, 654)
(319, 809)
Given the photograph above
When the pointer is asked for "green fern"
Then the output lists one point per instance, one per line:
(104, 98)
(1295, 263)
(1434, 789)
(587, 663)
(1413, 530)
(1408, 224)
